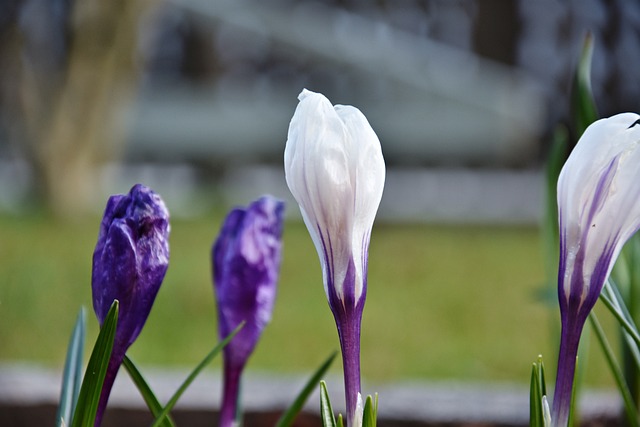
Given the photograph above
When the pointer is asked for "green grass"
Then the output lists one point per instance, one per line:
(444, 302)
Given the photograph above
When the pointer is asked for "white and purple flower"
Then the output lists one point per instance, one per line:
(335, 170)
(599, 210)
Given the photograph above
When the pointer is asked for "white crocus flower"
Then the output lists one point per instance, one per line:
(599, 202)
(599, 210)
(335, 170)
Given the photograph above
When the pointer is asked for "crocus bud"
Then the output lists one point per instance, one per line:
(246, 263)
(599, 210)
(129, 264)
(335, 170)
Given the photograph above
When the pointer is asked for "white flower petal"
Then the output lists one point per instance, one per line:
(335, 170)
(357, 417)
(546, 413)
(599, 195)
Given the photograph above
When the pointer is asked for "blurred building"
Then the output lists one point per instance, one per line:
(411, 67)
(445, 83)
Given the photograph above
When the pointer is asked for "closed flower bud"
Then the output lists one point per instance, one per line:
(246, 263)
(335, 170)
(129, 263)
(599, 210)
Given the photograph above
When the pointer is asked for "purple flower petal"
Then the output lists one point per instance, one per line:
(130, 259)
(246, 262)
(129, 263)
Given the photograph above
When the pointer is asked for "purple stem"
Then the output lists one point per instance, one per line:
(349, 334)
(569, 342)
(112, 371)
(230, 395)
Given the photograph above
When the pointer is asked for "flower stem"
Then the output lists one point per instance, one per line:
(349, 334)
(230, 396)
(112, 371)
(569, 341)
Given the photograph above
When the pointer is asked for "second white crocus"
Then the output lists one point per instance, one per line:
(598, 210)
(335, 170)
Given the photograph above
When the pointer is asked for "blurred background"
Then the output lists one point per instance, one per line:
(194, 97)
(189, 92)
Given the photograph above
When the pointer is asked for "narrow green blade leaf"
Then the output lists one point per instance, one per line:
(617, 305)
(541, 377)
(369, 415)
(614, 302)
(292, 412)
(631, 353)
(557, 157)
(535, 406)
(538, 391)
(87, 406)
(145, 391)
(326, 412)
(584, 107)
(72, 374)
(375, 406)
(629, 405)
(192, 376)
(340, 422)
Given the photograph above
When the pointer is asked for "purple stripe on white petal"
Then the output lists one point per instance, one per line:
(601, 191)
(600, 273)
(576, 286)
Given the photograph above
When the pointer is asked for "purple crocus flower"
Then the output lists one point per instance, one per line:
(599, 210)
(129, 264)
(335, 170)
(246, 262)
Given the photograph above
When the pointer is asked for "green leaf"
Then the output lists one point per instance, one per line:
(538, 390)
(340, 422)
(72, 375)
(629, 405)
(326, 412)
(614, 302)
(556, 158)
(87, 406)
(370, 413)
(292, 412)
(145, 391)
(555, 161)
(535, 404)
(626, 273)
(541, 377)
(583, 105)
(192, 376)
